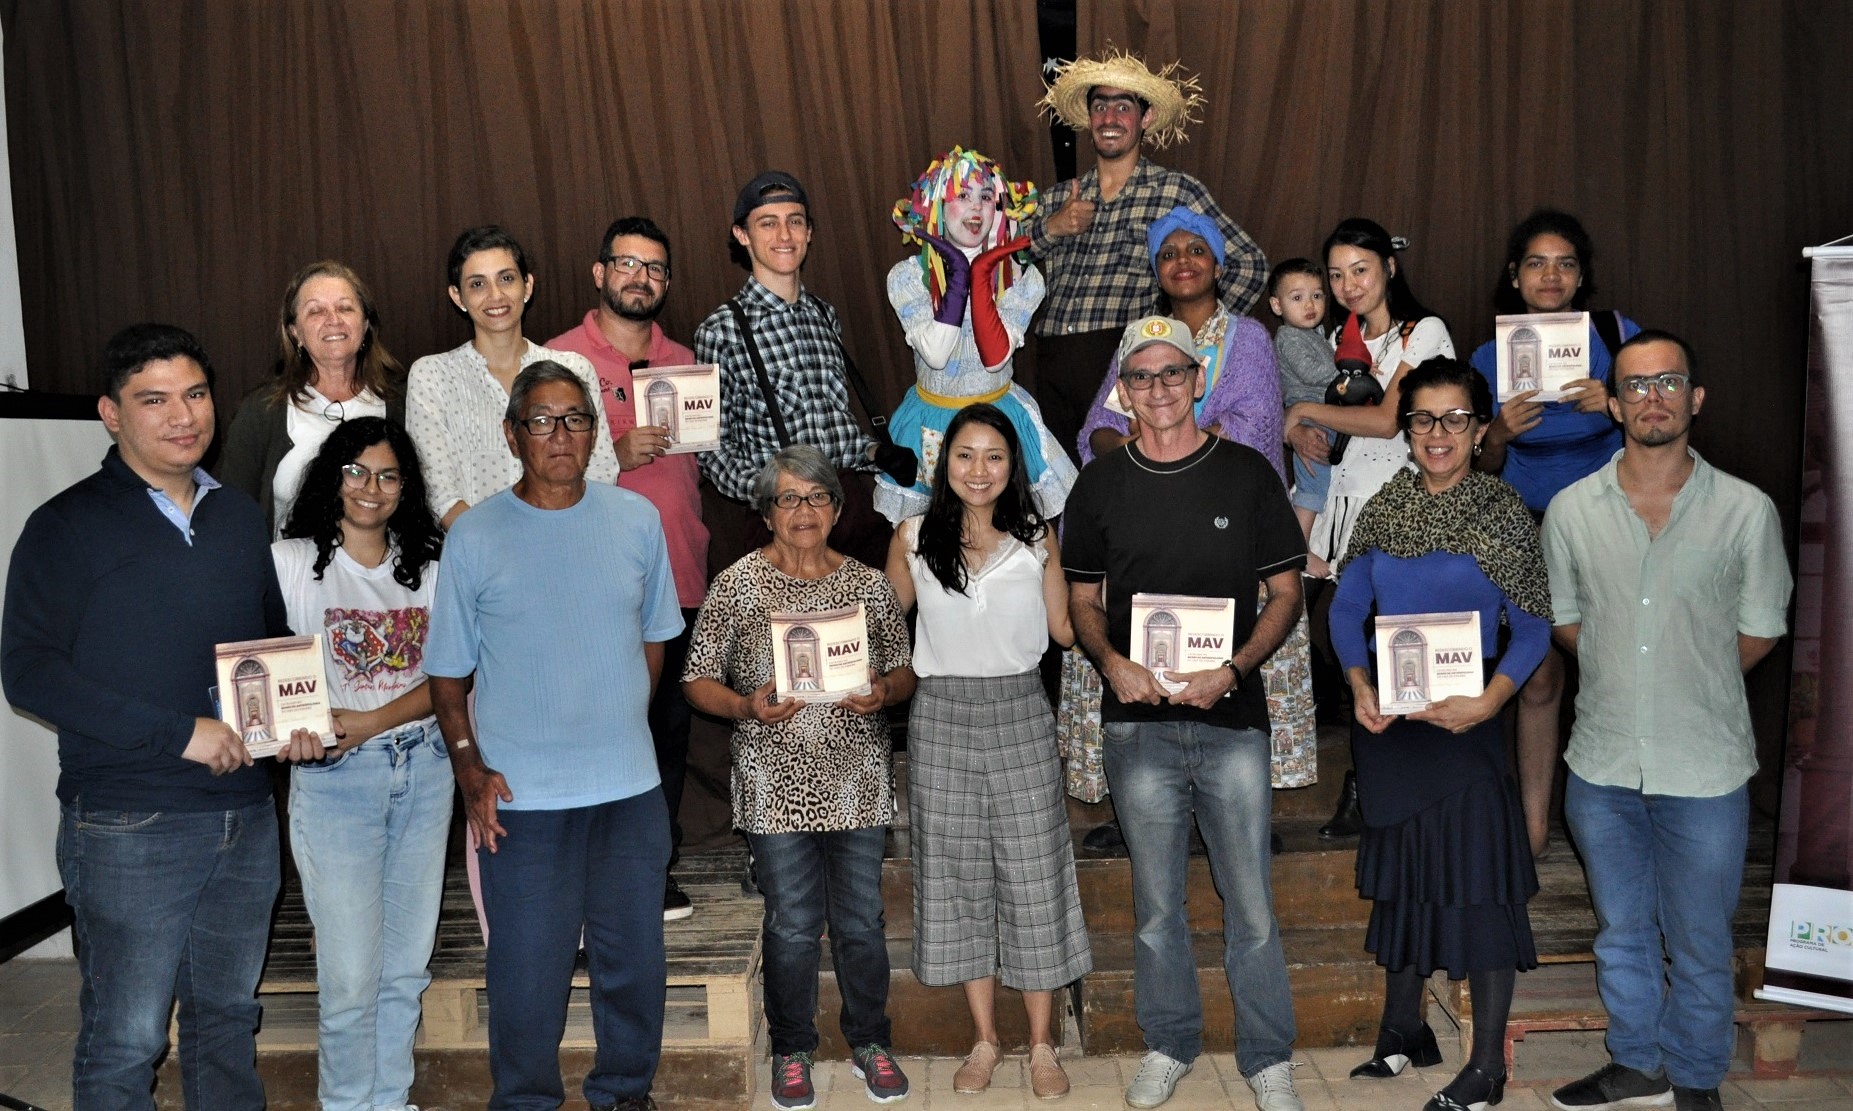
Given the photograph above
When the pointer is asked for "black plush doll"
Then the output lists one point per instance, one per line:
(1354, 384)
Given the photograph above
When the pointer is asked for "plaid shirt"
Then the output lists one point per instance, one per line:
(1103, 277)
(798, 343)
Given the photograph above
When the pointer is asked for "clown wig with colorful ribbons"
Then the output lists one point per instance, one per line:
(923, 212)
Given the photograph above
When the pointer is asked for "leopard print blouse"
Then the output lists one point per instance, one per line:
(824, 768)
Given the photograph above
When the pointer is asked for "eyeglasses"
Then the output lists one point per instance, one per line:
(1421, 421)
(630, 264)
(356, 476)
(816, 499)
(1670, 384)
(543, 425)
(1169, 375)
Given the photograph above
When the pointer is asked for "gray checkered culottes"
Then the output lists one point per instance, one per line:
(994, 884)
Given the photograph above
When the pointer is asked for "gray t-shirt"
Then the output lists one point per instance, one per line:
(1305, 361)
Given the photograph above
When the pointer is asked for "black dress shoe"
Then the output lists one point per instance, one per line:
(1472, 1090)
(1395, 1053)
(1346, 821)
(1104, 838)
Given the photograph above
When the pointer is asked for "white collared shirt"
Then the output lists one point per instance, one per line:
(454, 409)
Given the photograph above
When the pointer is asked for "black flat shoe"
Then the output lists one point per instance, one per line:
(1105, 838)
(1393, 1054)
(1346, 821)
(1472, 1090)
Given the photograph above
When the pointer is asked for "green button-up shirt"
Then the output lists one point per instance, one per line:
(1661, 707)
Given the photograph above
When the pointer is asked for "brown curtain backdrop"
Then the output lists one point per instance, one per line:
(180, 161)
(1702, 142)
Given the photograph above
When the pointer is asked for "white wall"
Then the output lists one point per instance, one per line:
(12, 328)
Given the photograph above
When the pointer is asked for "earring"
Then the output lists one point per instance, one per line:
(1476, 449)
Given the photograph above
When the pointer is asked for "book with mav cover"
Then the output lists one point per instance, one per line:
(1181, 632)
(1425, 657)
(272, 687)
(821, 656)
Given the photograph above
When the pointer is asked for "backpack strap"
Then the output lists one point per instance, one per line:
(1608, 329)
(759, 371)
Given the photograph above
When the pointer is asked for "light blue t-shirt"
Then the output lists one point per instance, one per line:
(551, 609)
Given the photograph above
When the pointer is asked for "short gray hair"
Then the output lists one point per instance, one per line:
(802, 462)
(537, 374)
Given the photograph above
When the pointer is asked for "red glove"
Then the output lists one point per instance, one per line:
(987, 327)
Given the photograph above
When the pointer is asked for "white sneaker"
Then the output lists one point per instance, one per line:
(1157, 1079)
(1273, 1088)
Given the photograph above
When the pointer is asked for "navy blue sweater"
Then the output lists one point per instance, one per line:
(111, 617)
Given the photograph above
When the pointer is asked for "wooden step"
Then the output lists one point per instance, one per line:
(1564, 997)
(1337, 991)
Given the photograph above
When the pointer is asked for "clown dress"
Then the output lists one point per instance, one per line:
(949, 380)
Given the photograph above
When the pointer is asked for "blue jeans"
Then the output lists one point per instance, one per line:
(1663, 871)
(600, 868)
(169, 904)
(368, 832)
(1160, 772)
(1311, 481)
(810, 879)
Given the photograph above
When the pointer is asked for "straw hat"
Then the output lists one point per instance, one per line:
(1172, 93)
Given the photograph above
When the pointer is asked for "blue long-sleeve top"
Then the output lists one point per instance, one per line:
(1439, 582)
(111, 618)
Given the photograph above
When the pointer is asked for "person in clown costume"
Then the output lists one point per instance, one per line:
(965, 301)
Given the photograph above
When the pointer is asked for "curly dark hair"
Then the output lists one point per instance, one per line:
(416, 538)
(942, 531)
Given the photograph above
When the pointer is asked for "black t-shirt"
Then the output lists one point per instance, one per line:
(1213, 524)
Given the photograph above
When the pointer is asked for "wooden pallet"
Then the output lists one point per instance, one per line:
(713, 965)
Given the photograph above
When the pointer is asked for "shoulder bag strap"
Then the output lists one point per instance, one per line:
(759, 370)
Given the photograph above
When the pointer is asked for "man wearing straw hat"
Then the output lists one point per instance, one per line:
(1089, 235)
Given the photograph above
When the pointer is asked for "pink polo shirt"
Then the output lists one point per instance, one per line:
(669, 481)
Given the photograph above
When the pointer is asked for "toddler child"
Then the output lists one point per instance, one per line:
(1296, 294)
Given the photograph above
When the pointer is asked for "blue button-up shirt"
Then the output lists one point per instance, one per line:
(182, 519)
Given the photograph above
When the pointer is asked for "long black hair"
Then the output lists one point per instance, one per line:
(317, 514)
(1368, 235)
(942, 530)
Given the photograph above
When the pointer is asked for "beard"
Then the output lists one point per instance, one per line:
(648, 311)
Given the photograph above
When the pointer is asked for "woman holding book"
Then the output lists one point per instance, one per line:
(368, 826)
(1541, 447)
(811, 779)
(994, 883)
(1443, 853)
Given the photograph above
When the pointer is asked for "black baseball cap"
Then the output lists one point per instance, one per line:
(770, 187)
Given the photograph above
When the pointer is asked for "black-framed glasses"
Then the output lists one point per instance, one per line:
(357, 476)
(630, 264)
(816, 499)
(1670, 384)
(1169, 375)
(335, 412)
(1422, 421)
(544, 424)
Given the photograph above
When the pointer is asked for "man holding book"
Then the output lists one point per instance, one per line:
(1181, 512)
(120, 587)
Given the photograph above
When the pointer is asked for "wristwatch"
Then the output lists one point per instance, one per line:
(1236, 672)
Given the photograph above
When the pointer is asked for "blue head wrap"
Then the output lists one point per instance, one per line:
(1188, 220)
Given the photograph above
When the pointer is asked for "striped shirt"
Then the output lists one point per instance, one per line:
(1103, 278)
(798, 343)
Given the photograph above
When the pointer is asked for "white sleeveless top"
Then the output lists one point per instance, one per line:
(998, 627)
